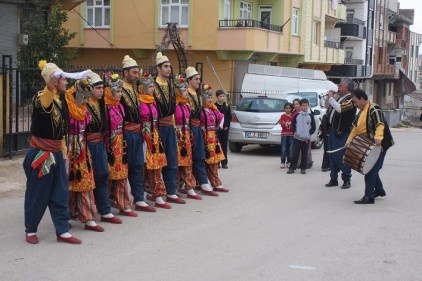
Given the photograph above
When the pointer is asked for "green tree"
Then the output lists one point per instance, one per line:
(43, 23)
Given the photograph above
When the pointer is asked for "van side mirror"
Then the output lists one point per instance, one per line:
(317, 112)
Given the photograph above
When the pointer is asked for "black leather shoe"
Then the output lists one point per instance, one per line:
(303, 171)
(345, 185)
(365, 200)
(331, 183)
(379, 194)
(290, 171)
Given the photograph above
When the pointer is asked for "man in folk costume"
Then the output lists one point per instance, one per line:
(166, 101)
(116, 147)
(81, 175)
(155, 158)
(44, 163)
(371, 123)
(184, 139)
(95, 135)
(198, 154)
(211, 120)
(132, 133)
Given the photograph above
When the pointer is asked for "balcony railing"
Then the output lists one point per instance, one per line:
(353, 61)
(249, 23)
(331, 44)
(352, 19)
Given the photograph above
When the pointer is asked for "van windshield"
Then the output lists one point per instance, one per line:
(310, 96)
(261, 104)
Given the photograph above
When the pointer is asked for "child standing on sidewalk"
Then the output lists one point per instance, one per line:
(303, 126)
(286, 136)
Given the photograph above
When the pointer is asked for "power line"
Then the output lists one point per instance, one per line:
(111, 44)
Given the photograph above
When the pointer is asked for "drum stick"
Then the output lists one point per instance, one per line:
(336, 150)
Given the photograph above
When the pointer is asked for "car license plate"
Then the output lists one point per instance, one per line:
(256, 135)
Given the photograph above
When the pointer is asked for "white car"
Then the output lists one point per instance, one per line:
(256, 121)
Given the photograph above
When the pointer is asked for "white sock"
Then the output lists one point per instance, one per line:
(90, 223)
(127, 210)
(172, 196)
(191, 192)
(141, 203)
(206, 187)
(31, 234)
(109, 215)
(66, 235)
(159, 200)
(218, 186)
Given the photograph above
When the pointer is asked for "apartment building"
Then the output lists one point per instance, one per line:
(217, 36)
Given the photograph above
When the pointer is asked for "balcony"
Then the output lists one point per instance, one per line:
(352, 30)
(254, 37)
(353, 71)
(248, 23)
(353, 61)
(386, 71)
(338, 14)
(352, 19)
(331, 44)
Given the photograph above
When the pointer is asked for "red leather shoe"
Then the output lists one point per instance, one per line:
(221, 189)
(96, 228)
(209, 192)
(145, 209)
(128, 213)
(195, 197)
(164, 205)
(70, 240)
(150, 198)
(114, 220)
(33, 239)
(176, 200)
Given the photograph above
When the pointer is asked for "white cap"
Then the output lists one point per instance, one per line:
(128, 62)
(191, 71)
(95, 79)
(161, 59)
(47, 69)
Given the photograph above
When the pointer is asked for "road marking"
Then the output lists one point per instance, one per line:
(304, 267)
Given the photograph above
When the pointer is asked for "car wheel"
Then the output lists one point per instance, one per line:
(235, 146)
(317, 144)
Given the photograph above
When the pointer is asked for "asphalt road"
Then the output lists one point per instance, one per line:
(270, 226)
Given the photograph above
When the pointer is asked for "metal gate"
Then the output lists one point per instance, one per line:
(19, 86)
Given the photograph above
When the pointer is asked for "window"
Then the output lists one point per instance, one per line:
(98, 13)
(245, 10)
(175, 11)
(226, 11)
(295, 21)
(316, 32)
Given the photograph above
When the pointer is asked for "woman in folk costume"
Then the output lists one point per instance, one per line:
(184, 139)
(45, 161)
(81, 175)
(198, 144)
(155, 158)
(116, 147)
(211, 120)
(95, 130)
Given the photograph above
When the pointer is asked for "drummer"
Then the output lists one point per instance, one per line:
(371, 122)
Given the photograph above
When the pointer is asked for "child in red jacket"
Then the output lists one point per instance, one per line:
(286, 135)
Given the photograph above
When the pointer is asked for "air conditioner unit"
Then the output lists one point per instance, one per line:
(23, 39)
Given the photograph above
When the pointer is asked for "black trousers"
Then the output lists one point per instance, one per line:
(223, 137)
(299, 147)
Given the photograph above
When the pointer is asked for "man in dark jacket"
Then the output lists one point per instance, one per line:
(223, 134)
(341, 120)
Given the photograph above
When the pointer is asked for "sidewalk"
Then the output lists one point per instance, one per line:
(12, 177)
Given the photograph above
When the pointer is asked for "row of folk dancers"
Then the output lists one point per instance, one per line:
(102, 144)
